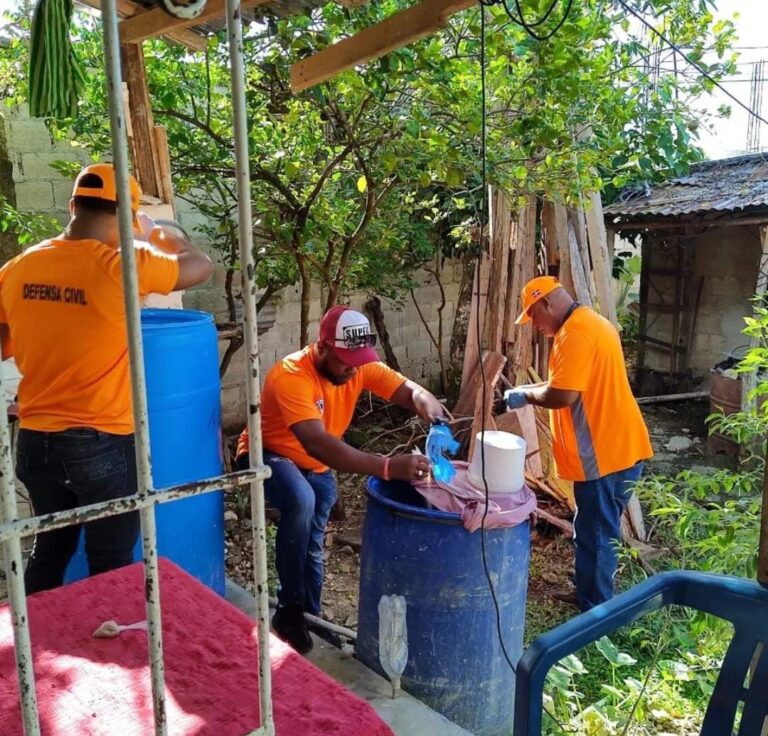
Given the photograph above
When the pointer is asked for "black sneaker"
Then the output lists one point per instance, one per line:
(568, 597)
(289, 626)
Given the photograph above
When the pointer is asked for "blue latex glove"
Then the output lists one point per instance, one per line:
(439, 441)
(515, 398)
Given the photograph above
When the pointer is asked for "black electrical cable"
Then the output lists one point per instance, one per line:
(483, 223)
(529, 27)
(682, 53)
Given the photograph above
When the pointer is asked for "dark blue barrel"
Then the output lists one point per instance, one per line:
(181, 362)
(455, 661)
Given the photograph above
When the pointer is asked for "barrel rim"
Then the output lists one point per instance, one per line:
(404, 509)
(173, 319)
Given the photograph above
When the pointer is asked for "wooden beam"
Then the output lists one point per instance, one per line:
(145, 166)
(601, 262)
(703, 224)
(158, 22)
(398, 30)
(128, 9)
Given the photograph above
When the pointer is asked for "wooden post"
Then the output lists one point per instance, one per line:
(580, 281)
(749, 380)
(520, 353)
(145, 167)
(762, 556)
(500, 233)
(598, 248)
(563, 244)
(479, 302)
(549, 236)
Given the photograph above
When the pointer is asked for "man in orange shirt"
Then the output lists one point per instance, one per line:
(62, 316)
(599, 437)
(307, 404)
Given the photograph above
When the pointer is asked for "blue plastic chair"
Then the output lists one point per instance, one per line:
(742, 602)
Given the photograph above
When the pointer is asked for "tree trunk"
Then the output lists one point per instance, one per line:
(460, 326)
(306, 293)
(373, 307)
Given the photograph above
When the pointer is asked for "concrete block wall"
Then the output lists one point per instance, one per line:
(414, 350)
(39, 187)
(727, 259)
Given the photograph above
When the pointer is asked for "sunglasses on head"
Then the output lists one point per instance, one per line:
(356, 342)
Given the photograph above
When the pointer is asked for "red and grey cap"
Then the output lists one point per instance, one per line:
(349, 334)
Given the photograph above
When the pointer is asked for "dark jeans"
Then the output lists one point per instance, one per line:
(64, 470)
(304, 499)
(597, 526)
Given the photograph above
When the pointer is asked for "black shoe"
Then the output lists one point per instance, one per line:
(567, 596)
(289, 626)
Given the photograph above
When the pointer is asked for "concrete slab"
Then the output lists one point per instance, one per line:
(405, 715)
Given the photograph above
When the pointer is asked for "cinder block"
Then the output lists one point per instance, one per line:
(38, 166)
(28, 136)
(419, 350)
(34, 195)
(62, 193)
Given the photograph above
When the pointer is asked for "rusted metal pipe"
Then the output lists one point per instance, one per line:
(83, 514)
(250, 332)
(14, 574)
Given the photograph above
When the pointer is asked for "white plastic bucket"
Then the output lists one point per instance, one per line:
(504, 462)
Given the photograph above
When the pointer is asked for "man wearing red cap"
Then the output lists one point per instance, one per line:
(599, 437)
(307, 404)
(62, 316)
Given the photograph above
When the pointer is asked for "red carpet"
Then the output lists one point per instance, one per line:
(101, 687)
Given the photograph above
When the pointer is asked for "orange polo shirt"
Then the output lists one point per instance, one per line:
(604, 431)
(295, 392)
(63, 303)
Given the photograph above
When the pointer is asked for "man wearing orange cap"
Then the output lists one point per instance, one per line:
(62, 316)
(599, 437)
(307, 404)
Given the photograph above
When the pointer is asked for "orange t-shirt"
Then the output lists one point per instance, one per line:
(294, 392)
(604, 431)
(63, 303)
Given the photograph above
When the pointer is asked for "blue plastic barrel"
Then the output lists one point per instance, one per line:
(181, 362)
(455, 661)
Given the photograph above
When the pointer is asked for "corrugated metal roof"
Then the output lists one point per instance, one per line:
(725, 185)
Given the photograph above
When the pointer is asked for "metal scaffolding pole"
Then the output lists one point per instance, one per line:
(250, 330)
(14, 574)
(117, 121)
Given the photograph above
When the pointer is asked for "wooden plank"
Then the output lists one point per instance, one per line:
(142, 121)
(580, 283)
(501, 230)
(634, 514)
(164, 163)
(493, 365)
(522, 422)
(565, 273)
(390, 34)
(479, 300)
(467, 398)
(598, 248)
(127, 9)
(549, 236)
(159, 22)
(521, 351)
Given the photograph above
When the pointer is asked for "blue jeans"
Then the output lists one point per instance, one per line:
(597, 530)
(304, 499)
(64, 470)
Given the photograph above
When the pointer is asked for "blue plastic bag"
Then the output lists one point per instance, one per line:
(441, 441)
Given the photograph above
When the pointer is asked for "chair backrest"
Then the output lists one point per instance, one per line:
(743, 679)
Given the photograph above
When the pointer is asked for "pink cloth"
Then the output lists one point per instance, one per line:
(461, 497)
